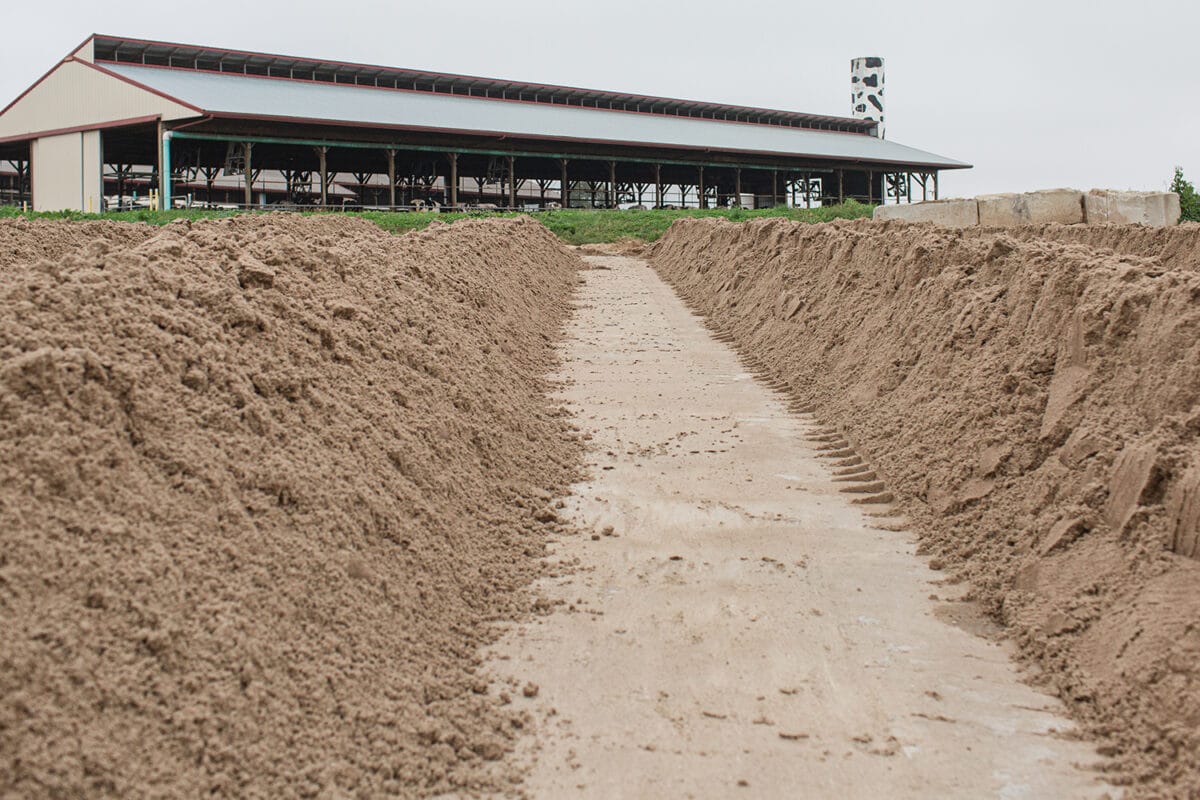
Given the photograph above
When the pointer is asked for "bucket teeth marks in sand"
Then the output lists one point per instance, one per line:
(841, 452)
(874, 487)
(858, 469)
(883, 498)
(852, 461)
(858, 477)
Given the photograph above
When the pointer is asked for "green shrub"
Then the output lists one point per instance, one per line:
(1189, 201)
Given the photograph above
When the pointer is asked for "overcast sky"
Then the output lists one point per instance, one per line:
(1034, 93)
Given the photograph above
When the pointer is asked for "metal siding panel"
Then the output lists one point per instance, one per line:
(254, 96)
(57, 171)
(75, 95)
(90, 171)
(88, 51)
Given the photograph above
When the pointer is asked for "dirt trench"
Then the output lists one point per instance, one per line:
(1031, 400)
(269, 484)
(742, 613)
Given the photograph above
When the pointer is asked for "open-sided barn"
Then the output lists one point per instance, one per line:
(118, 115)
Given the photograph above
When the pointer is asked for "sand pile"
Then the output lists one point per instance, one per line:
(23, 240)
(263, 483)
(1032, 398)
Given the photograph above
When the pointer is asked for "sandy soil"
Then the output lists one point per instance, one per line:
(268, 485)
(1031, 398)
(736, 623)
(263, 484)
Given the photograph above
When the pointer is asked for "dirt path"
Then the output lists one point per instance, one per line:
(748, 626)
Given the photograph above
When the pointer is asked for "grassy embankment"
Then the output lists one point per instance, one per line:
(574, 226)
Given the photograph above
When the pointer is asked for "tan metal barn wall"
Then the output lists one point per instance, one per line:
(66, 172)
(88, 51)
(76, 95)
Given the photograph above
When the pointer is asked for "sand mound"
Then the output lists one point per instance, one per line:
(25, 240)
(263, 482)
(1032, 398)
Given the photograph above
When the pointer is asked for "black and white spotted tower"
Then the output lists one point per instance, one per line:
(866, 90)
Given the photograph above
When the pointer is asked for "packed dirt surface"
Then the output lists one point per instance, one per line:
(735, 623)
(264, 483)
(1030, 399)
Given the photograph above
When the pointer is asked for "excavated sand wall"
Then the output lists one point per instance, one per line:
(1031, 398)
(263, 484)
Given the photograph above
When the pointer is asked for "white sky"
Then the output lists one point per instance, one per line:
(1034, 93)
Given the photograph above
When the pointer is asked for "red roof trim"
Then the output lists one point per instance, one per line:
(69, 57)
(97, 126)
(455, 76)
(142, 86)
(36, 84)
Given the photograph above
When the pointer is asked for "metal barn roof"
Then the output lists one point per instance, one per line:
(184, 56)
(246, 96)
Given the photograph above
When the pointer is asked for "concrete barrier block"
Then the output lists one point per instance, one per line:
(948, 213)
(1064, 206)
(1156, 209)
(1173, 209)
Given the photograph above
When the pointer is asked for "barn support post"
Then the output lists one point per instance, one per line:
(701, 200)
(841, 188)
(612, 185)
(737, 187)
(210, 177)
(808, 190)
(512, 183)
(22, 167)
(935, 186)
(453, 195)
(871, 186)
(322, 152)
(658, 187)
(774, 188)
(391, 162)
(247, 148)
(565, 186)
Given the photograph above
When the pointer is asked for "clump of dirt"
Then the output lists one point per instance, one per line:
(264, 483)
(1032, 399)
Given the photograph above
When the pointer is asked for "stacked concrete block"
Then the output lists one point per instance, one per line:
(1064, 206)
(948, 213)
(1156, 209)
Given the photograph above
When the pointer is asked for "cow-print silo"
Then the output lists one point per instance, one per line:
(866, 90)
